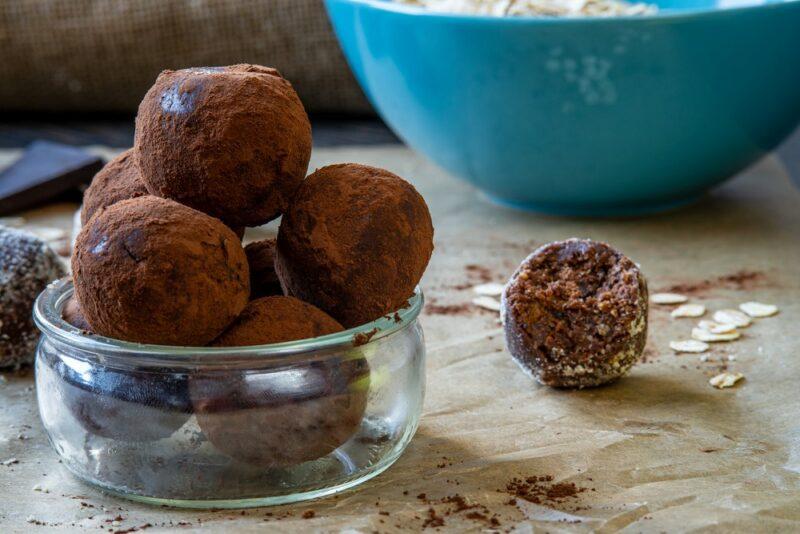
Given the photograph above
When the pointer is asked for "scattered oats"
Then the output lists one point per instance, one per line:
(489, 290)
(488, 303)
(688, 345)
(757, 309)
(14, 222)
(725, 380)
(31, 519)
(10, 461)
(38, 487)
(689, 310)
(734, 317)
(731, 358)
(716, 328)
(48, 234)
(668, 298)
(705, 335)
(116, 523)
(704, 358)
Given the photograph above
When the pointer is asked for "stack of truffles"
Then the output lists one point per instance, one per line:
(159, 258)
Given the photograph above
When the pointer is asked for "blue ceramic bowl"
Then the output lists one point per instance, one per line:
(583, 116)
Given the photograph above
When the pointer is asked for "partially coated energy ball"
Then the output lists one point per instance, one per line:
(355, 242)
(233, 142)
(27, 265)
(118, 180)
(150, 270)
(575, 314)
(282, 415)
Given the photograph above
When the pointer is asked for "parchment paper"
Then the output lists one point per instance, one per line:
(660, 450)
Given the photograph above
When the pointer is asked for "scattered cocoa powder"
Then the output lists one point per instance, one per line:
(538, 490)
(741, 280)
(362, 338)
(309, 514)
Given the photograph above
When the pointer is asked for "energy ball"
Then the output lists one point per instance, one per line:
(73, 314)
(355, 242)
(281, 416)
(233, 142)
(27, 265)
(118, 180)
(263, 278)
(575, 314)
(123, 404)
(150, 270)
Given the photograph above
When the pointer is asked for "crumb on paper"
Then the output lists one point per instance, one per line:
(704, 335)
(688, 345)
(488, 303)
(725, 380)
(734, 317)
(758, 309)
(489, 290)
(668, 298)
(10, 461)
(689, 310)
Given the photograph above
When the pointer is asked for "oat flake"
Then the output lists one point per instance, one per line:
(668, 298)
(689, 310)
(725, 380)
(688, 345)
(757, 309)
(488, 303)
(489, 290)
(704, 335)
(716, 328)
(734, 317)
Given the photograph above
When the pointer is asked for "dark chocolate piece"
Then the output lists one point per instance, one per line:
(43, 172)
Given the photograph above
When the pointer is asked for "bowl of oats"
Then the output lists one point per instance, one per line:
(580, 107)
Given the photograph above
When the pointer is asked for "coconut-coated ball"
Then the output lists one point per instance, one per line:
(233, 142)
(354, 242)
(575, 314)
(118, 180)
(281, 416)
(150, 270)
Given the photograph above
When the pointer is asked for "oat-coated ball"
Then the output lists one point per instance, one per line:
(118, 180)
(354, 242)
(27, 265)
(233, 142)
(575, 314)
(150, 270)
(281, 416)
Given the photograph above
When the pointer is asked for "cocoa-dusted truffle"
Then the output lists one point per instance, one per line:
(150, 270)
(27, 265)
(118, 180)
(134, 405)
(575, 314)
(233, 142)
(281, 416)
(355, 242)
(73, 314)
(263, 278)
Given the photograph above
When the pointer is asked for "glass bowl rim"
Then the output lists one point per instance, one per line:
(47, 316)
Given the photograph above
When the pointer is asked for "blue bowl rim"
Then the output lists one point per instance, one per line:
(670, 14)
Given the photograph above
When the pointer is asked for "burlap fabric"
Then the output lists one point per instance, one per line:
(82, 55)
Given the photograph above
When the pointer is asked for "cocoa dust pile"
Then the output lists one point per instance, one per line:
(740, 280)
(539, 490)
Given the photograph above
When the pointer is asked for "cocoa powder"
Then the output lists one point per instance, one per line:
(118, 180)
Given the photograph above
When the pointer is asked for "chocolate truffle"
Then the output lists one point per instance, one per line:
(263, 278)
(355, 242)
(133, 405)
(150, 270)
(118, 180)
(281, 416)
(73, 314)
(575, 314)
(233, 142)
(27, 265)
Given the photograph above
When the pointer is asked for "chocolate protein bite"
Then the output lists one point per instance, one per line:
(27, 265)
(233, 142)
(72, 313)
(150, 270)
(263, 278)
(281, 416)
(354, 242)
(575, 314)
(118, 180)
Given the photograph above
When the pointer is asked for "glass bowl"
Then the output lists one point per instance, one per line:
(229, 427)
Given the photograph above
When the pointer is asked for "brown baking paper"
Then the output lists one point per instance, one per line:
(660, 450)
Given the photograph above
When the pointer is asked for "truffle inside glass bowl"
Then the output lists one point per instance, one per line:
(305, 418)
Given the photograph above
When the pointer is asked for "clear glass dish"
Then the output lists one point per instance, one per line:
(229, 427)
